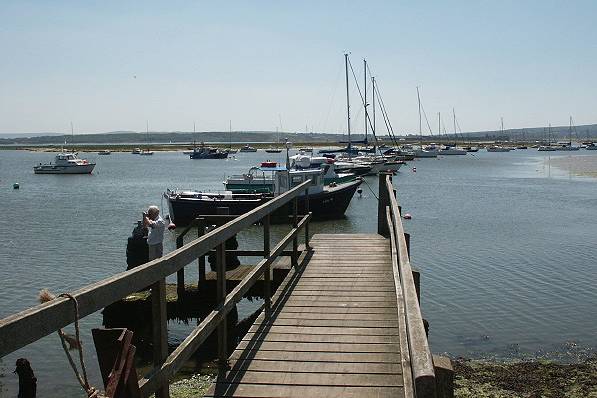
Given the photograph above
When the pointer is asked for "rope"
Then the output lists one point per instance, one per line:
(68, 342)
(368, 186)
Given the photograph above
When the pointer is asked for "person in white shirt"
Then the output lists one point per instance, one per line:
(155, 237)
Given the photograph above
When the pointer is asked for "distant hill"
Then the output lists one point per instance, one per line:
(558, 133)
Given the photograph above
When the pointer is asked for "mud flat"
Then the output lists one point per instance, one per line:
(541, 379)
(585, 166)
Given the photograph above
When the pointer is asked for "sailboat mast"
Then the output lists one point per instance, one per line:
(347, 104)
(570, 132)
(72, 133)
(373, 90)
(439, 125)
(454, 117)
(365, 99)
(420, 126)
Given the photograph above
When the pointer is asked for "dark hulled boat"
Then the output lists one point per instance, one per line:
(325, 202)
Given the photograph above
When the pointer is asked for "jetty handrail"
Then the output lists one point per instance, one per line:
(421, 359)
(30, 325)
(190, 344)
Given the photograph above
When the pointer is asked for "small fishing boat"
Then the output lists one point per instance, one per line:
(205, 152)
(65, 163)
(248, 148)
(497, 148)
(273, 150)
(325, 201)
(146, 152)
(136, 151)
(104, 152)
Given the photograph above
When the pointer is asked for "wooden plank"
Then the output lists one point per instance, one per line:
(268, 391)
(364, 331)
(306, 356)
(331, 295)
(321, 338)
(315, 379)
(322, 347)
(338, 310)
(330, 323)
(317, 367)
(343, 316)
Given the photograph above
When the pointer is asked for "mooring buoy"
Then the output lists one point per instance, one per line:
(15, 185)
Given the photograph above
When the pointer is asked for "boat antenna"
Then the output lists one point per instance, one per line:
(347, 104)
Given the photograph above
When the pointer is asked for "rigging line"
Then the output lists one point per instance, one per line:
(371, 189)
(384, 111)
(335, 90)
(362, 98)
(426, 120)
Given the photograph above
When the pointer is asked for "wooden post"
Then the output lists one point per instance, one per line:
(383, 201)
(294, 257)
(307, 248)
(180, 272)
(407, 239)
(267, 276)
(159, 330)
(221, 297)
(201, 259)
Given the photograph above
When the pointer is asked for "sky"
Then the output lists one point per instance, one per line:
(117, 65)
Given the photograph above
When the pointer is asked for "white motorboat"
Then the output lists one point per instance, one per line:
(451, 150)
(104, 152)
(65, 163)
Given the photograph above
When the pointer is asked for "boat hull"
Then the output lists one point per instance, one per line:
(47, 169)
(329, 204)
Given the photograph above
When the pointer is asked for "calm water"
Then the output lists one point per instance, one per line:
(505, 242)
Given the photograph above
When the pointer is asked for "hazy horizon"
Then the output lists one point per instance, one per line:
(115, 66)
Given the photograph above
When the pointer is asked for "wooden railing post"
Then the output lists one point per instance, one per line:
(407, 239)
(382, 203)
(307, 225)
(267, 276)
(159, 331)
(221, 298)
(180, 273)
(201, 259)
(294, 257)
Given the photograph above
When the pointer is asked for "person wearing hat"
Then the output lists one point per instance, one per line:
(155, 237)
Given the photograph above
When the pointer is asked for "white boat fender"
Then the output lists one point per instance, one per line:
(407, 216)
(360, 191)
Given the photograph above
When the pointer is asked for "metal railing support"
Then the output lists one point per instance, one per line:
(307, 210)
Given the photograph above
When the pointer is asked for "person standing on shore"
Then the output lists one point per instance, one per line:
(155, 237)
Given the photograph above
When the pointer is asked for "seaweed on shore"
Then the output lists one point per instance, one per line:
(537, 379)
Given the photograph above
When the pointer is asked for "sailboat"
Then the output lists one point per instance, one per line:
(146, 151)
(568, 146)
(230, 150)
(272, 149)
(548, 147)
(498, 148)
(421, 152)
(452, 149)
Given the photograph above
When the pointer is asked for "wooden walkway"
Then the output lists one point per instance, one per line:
(333, 330)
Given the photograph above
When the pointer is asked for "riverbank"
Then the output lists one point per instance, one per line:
(481, 379)
(536, 379)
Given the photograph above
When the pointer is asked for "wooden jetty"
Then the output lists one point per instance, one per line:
(345, 322)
